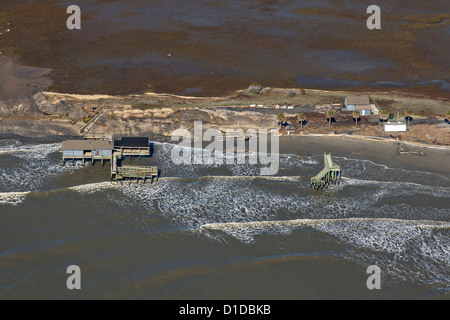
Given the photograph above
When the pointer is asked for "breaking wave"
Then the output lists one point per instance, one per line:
(30, 152)
(403, 249)
(31, 166)
(12, 198)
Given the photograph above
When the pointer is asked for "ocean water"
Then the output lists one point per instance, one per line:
(220, 231)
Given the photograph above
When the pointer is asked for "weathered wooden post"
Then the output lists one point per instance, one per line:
(329, 174)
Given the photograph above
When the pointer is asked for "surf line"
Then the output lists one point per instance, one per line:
(185, 153)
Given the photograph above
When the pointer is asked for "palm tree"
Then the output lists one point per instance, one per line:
(408, 114)
(384, 115)
(301, 118)
(356, 115)
(330, 116)
(281, 117)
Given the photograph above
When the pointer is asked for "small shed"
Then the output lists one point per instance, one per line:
(133, 146)
(132, 142)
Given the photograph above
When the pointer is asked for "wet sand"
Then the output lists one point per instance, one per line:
(18, 84)
(383, 152)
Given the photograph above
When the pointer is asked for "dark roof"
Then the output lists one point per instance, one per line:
(132, 142)
(87, 145)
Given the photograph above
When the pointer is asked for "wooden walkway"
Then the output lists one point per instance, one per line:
(126, 172)
(331, 174)
(89, 125)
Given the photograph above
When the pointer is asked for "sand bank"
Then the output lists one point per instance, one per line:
(20, 82)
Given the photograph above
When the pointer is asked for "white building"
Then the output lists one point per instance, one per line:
(395, 126)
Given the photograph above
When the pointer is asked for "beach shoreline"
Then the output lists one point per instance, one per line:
(131, 120)
(51, 116)
(383, 152)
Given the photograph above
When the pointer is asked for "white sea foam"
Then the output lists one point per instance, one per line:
(195, 201)
(163, 153)
(12, 198)
(390, 243)
(93, 187)
(399, 187)
(35, 166)
(242, 208)
(361, 168)
(31, 151)
(248, 178)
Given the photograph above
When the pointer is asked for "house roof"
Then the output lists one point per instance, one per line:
(87, 145)
(357, 100)
(395, 122)
(363, 107)
(132, 142)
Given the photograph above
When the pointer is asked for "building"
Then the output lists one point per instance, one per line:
(364, 110)
(395, 126)
(102, 147)
(133, 146)
(87, 150)
(360, 103)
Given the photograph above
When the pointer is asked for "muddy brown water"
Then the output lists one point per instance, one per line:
(204, 48)
(223, 231)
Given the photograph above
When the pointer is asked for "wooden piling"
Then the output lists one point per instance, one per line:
(329, 175)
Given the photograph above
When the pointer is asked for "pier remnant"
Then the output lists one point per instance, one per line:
(402, 149)
(331, 174)
(119, 173)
